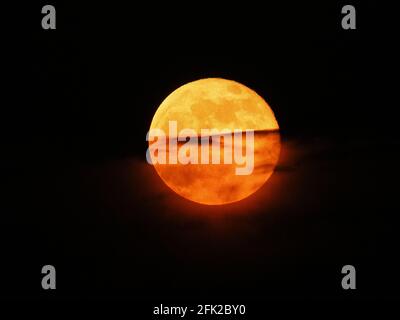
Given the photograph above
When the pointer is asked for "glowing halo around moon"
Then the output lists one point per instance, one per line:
(215, 103)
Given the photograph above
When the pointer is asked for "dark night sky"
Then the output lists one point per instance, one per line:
(79, 195)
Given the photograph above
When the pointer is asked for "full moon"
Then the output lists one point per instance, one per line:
(221, 104)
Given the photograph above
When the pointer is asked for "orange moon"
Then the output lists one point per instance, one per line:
(216, 103)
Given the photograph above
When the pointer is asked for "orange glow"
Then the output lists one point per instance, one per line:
(219, 104)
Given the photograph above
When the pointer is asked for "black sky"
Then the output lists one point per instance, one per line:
(78, 193)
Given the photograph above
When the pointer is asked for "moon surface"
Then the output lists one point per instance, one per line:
(216, 103)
